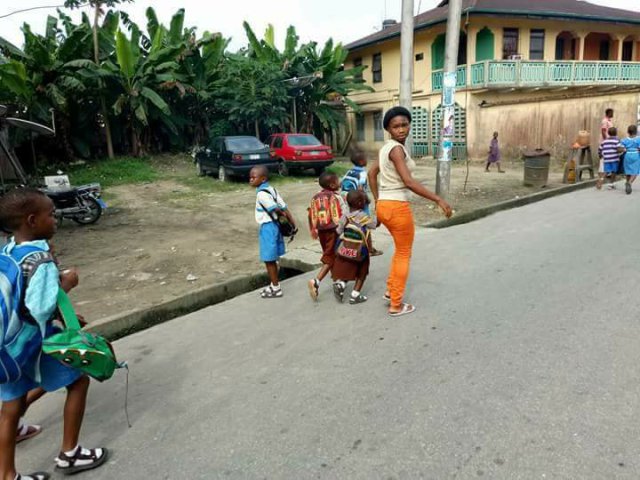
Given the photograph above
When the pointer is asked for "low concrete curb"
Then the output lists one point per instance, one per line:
(122, 324)
(509, 204)
(304, 259)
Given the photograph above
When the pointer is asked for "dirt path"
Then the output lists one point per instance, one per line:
(163, 239)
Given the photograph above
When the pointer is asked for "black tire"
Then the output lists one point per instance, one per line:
(283, 168)
(95, 212)
(199, 168)
(223, 175)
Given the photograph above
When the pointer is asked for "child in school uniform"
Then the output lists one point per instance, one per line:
(325, 212)
(609, 152)
(29, 215)
(352, 260)
(269, 203)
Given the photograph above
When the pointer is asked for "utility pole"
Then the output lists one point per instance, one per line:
(443, 173)
(406, 60)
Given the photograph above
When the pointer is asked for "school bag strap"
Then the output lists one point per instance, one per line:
(67, 312)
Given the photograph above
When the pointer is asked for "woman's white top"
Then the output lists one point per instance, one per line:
(391, 185)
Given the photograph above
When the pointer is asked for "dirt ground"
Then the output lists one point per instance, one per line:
(160, 240)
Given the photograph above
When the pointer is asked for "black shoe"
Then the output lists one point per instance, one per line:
(627, 188)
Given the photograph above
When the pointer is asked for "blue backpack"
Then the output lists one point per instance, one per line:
(20, 340)
(350, 181)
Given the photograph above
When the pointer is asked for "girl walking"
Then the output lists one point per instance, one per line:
(631, 146)
(393, 209)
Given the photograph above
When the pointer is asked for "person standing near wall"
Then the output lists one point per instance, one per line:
(606, 124)
(392, 195)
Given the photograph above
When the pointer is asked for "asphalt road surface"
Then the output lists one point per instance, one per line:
(522, 362)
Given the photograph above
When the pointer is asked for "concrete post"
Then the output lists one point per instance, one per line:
(443, 173)
(406, 61)
(583, 39)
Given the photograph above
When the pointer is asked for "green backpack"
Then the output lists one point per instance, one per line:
(84, 351)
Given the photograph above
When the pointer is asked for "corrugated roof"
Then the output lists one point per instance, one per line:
(571, 9)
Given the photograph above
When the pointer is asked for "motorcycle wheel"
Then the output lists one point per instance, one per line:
(92, 216)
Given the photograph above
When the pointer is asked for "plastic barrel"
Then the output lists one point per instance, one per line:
(536, 168)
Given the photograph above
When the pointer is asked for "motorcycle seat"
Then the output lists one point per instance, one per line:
(60, 193)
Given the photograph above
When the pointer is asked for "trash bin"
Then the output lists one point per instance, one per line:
(536, 168)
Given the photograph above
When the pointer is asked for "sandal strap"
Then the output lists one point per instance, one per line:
(79, 455)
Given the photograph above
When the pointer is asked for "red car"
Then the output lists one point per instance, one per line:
(299, 151)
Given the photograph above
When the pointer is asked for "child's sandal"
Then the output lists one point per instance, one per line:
(34, 476)
(82, 460)
(270, 292)
(359, 299)
(338, 291)
(25, 432)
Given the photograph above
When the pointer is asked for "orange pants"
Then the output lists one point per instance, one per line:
(398, 219)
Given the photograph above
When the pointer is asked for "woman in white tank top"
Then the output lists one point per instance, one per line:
(392, 185)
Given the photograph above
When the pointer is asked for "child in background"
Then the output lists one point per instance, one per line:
(269, 203)
(353, 264)
(29, 215)
(356, 179)
(609, 152)
(631, 146)
(325, 212)
(494, 153)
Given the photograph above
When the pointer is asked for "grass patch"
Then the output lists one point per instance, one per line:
(119, 171)
(340, 168)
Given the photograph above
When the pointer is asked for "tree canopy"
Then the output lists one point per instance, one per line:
(117, 86)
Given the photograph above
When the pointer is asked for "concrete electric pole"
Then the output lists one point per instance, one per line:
(443, 173)
(406, 57)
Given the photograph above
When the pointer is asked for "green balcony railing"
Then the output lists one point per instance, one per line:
(437, 76)
(508, 73)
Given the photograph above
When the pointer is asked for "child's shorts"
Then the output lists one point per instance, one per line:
(328, 239)
(611, 167)
(54, 376)
(271, 242)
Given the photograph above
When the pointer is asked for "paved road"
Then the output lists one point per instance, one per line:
(522, 363)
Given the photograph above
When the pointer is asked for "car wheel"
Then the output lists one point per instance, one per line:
(283, 169)
(223, 175)
(201, 171)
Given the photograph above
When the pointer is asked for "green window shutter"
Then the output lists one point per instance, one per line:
(485, 45)
(437, 53)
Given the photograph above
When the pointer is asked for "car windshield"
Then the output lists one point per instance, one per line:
(304, 140)
(240, 144)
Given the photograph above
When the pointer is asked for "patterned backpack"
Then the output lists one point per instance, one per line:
(354, 243)
(325, 211)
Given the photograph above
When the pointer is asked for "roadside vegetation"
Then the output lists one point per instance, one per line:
(119, 88)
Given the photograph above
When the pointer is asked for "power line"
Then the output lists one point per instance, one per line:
(33, 8)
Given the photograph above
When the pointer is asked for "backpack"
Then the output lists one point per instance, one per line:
(325, 211)
(351, 181)
(20, 336)
(92, 354)
(287, 229)
(353, 243)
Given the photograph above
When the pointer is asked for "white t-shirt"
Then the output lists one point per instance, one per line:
(267, 200)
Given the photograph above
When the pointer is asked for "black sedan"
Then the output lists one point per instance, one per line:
(233, 156)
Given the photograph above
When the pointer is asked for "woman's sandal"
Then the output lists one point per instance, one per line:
(356, 300)
(34, 476)
(406, 309)
(387, 298)
(25, 432)
(82, 460)
(269, 292)
(338, 291)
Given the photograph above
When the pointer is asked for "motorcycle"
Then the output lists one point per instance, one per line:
(81, 204)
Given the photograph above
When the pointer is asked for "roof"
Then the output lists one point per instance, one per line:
(569, 9)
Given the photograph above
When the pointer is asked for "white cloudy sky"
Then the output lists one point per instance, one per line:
(344, 20)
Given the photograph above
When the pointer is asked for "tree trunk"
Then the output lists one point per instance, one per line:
(257, 126)
(96, 58)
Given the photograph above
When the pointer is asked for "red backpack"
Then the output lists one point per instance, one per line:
(325, 211)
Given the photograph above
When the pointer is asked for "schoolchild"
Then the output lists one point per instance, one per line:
(354, 247)
(269, 205)
(29, 215)
(325, 211)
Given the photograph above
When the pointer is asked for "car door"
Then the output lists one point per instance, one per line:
(207, 157)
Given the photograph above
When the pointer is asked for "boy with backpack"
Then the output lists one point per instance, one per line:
(354, 247)
(325, 212)
(274, 219)
(31, 286)
(356, 179)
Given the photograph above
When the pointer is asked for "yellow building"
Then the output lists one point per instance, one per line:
(535, 71)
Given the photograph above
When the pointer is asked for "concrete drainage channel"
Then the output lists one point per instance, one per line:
(299, 261)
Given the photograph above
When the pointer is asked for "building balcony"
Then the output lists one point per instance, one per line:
(498, 74)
